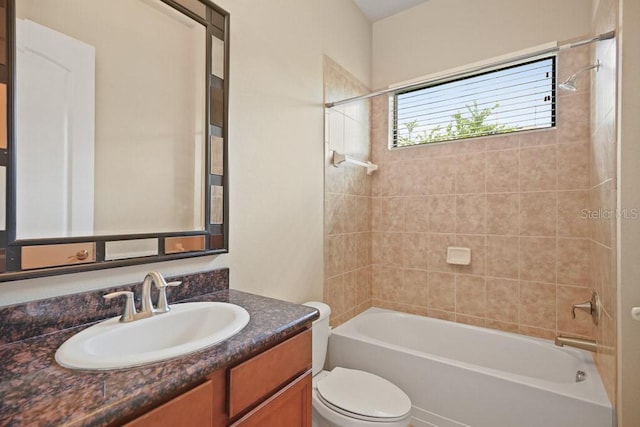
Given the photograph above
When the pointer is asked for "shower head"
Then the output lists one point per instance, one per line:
(570, 83)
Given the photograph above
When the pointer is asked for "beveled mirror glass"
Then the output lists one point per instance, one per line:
(110, 95)
(112, 107)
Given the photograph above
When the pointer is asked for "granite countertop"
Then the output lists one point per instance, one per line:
(36, 391)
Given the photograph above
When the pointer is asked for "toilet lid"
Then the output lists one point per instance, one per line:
(364, 394)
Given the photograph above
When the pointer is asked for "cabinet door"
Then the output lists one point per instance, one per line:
(257, 378)
(290, 407)
(191, 409)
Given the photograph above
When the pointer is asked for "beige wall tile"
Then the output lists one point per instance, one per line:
(350, 252)
(334, 260)
(334, 294)
(334, 213)
(442, 211)
(503, 300)
(350, 285)
(538, 259)
(442, 175)
(441, 294)
(478, 246)
(502, 142)
(415, 177)
(415, 287)
(470, 295)
(386, 249)
(415, 250)
(470, 320)
(548, 334)
(502, 256)
(386, 283)
(573, 118)
(391, 214)
(538, 168)
(437, 252)
(503, 213)
(538, 305)
(442, 315)
(503, 171)
(470, 173)
(538, 137)
(363, 220)
(351, 213)
(502, 326)
(573, 262)
(387, 180)
(571, 210)
(363, 286)
(363, 249)
(416, 214)
(471, 214)
(538, 214)
(573, 166)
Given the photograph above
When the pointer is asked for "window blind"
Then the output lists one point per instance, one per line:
(509, 99)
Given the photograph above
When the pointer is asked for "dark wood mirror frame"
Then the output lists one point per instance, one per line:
(22, 259)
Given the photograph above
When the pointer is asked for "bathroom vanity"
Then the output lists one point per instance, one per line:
(260, 376)
(271, 388)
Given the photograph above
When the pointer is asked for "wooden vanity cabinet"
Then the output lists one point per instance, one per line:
(272, 388)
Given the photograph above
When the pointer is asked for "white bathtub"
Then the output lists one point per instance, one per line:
(461, 375)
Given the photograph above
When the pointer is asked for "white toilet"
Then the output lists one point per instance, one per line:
(351, 398)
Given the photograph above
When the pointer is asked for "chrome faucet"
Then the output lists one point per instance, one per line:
(582, 343)
(129, 313)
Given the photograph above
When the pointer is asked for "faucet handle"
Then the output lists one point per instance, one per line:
(163, 305)
(129, 312)
(585, 306)
(592, 307)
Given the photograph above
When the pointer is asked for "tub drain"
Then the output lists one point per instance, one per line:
(580, 376)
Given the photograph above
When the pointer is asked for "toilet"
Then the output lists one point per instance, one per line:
(348, 397)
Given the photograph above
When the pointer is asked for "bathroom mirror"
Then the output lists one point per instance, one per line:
(116, 133)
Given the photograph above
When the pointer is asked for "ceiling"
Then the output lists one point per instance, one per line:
(379, 9)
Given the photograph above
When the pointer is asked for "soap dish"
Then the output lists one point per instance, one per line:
(458, 256)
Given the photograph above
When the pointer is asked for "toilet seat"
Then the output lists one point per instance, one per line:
(362, 395)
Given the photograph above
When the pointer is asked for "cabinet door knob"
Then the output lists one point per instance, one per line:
(635, 313)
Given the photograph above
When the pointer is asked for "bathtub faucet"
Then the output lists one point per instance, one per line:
(584, 344)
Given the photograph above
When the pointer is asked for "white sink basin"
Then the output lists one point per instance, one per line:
(187, 328)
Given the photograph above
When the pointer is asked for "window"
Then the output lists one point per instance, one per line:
(509, 99)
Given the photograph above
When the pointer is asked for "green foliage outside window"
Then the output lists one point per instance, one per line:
(462, 126)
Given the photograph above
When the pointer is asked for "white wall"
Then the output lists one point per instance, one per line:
(276, 151)
(442, 34)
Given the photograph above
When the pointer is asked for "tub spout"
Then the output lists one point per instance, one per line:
(584, 344)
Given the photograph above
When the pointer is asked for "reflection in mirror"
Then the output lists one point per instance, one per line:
(217, 57)
(217, 207)
(3, 198)
(124, 249)
(106, 104)
(175, 245)
(217, 155)
(3, 117)
(54, 255)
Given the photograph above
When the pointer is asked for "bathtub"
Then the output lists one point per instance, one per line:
(460, 375)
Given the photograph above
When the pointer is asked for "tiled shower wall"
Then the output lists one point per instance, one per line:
(347, 285)
(602, 191)
(518, 201)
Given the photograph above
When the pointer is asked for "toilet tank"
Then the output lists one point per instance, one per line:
(320, 335)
